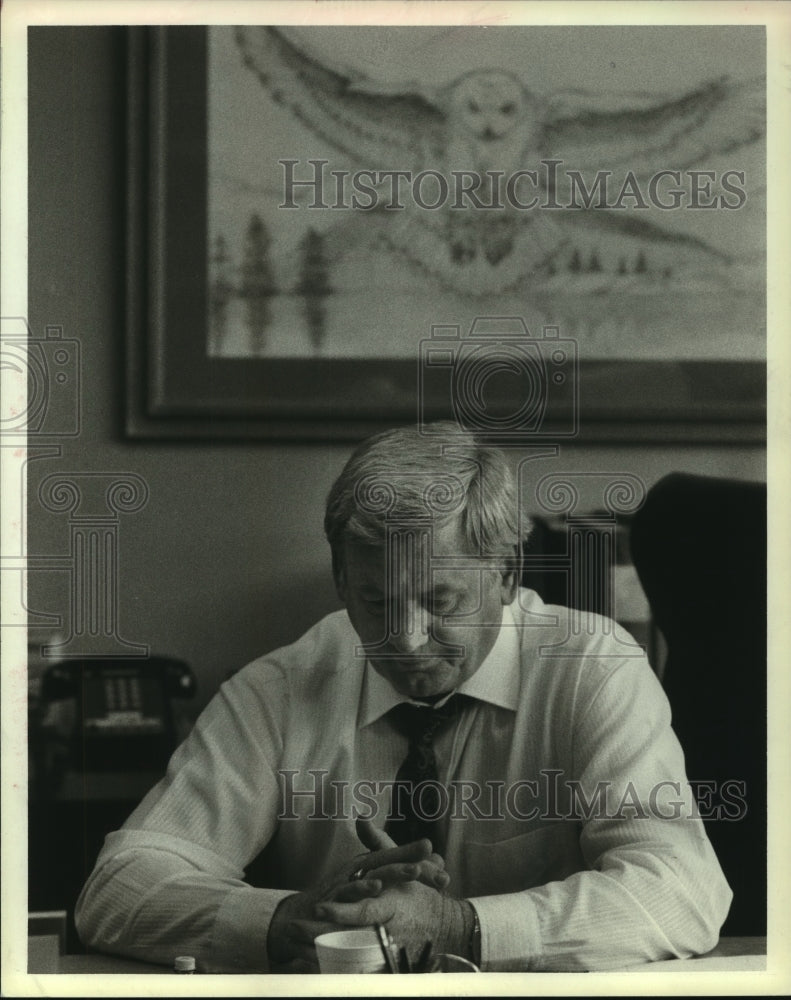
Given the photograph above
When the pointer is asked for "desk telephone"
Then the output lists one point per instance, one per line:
(123, 717)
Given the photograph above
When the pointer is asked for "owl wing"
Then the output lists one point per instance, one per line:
(352, 113)
(637, 133)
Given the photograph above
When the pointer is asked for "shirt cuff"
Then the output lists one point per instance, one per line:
(510, 933)
(241, 928)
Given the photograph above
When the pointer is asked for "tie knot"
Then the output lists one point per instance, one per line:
(420, 724)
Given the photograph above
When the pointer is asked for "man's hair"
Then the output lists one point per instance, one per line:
(409, 475)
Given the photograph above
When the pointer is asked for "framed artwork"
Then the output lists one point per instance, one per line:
(333, 230)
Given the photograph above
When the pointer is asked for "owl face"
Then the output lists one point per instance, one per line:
(489, 104)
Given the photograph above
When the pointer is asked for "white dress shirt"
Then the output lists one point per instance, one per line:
(566, 708)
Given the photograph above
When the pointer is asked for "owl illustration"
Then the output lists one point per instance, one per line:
(483, 129)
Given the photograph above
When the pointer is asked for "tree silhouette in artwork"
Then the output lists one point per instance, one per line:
(257, 284)
(314, 285)
(220, 292)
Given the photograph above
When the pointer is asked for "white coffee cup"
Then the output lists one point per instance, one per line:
(350, 951)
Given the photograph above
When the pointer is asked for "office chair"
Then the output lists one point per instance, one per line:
(699, 547)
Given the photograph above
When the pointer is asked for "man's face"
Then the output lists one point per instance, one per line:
(409, 608)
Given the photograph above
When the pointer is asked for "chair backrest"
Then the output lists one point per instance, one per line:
(699, 547)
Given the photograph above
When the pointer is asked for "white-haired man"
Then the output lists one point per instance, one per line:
(514, 776)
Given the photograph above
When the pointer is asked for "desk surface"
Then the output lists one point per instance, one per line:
(730, 946)
(738, 953)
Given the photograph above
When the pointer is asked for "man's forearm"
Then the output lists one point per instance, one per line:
(634, 910)
(153, 906)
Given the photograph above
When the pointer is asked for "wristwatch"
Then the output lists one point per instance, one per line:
(475, 939)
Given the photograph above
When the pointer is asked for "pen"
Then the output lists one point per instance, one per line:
(384, 942)
(422, 964)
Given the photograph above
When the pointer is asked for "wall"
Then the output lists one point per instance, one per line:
(227, 559)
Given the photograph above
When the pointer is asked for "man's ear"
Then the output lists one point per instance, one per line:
(510, 573)
(339, 574)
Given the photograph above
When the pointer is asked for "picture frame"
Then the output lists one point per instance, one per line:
(175, 390)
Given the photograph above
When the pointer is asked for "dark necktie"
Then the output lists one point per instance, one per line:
(419, 802)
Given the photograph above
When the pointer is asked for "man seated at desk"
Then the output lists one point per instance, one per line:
(538, 745)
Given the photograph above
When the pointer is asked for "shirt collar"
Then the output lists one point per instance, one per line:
(496, 681)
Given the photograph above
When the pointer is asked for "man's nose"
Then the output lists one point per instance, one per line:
(410, 626)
